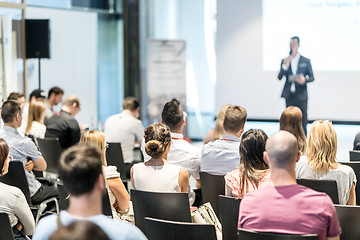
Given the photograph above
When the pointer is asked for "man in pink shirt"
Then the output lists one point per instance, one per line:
(284, 206)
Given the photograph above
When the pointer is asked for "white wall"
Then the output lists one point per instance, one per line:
(73, 63)
(242, 80)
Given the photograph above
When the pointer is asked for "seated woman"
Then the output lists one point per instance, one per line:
(291, 121)
(215, 133)
(35, 125)
(156, 174)
(118, 195)
(320, 162)
(253, 172)
(13, 202)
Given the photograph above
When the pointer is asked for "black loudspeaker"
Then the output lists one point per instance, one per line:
(37, 38)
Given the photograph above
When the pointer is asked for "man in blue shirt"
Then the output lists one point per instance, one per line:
(24, 150)
(80, 169)
(222, 156)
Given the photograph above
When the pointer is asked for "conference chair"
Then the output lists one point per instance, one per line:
(349, 218)
(229, 214)
(211, 187)
(166, 206)
(5, 227)
(114, 157)
(64, 200)
(244, 234)
(16, 177)
(327, 186)
(354, 155)
(157, 229)
(355, 165)
(51, 151)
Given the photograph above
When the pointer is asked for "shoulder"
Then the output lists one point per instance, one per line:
(10, 191)
(304, 59)
(45, 228)
(111, 172)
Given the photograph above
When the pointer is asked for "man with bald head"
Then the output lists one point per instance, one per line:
(284, 206)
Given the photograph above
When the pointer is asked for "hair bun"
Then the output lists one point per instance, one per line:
(154, 148)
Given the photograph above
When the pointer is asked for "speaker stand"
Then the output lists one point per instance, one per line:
(39, 73)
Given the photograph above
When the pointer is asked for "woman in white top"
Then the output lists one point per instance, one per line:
(157, 175)
(13, 202)
(118, 195)
(320, 162)
(35, 125)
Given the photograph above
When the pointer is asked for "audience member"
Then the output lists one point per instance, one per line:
(13, 202)
(118, 195)
(80, 169)
(291, 121)
(321, 162)
(215, 133)
(24, 150)
(181, 153)
(79, 230)
(222, 156)
(156, 174)
(63, 125)
(35, 125)
(253, 172)
(357, 142)
(126, 129)
(37, 95)
(284, 206)
(18, 97)
(54, 98)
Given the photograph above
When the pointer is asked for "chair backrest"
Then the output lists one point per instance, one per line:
(355, 165)
(114, 157)
(229, 214)
(327, 186)
(5, 227)
(64, 200)
(16, 177)
(157, 229)
(166, 206)
(51, 151)
(349, 218)
(354, 155)
(245, 234)
(211, 187)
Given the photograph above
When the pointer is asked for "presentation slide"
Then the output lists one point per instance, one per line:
(329, 32)
(254, 36)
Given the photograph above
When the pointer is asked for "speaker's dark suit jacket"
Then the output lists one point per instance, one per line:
(304, 68)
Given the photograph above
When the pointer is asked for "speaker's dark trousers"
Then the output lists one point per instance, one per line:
(293, 100)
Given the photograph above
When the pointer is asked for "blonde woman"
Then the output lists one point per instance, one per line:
(119, 197)
(291, 121)
(214, 134)
(35, 125)
(321, 162)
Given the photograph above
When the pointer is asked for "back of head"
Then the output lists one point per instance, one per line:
(4, 152)
(97, 138)
(70, 100)
(9, 109)
(291, 121)
(157, 138)
(218, 131)
(56, 91)
(79, 230)
(235, 118)
(79, 168)
(322, 146)
(38, 94)
(36, 111)
(172, 115)
(131, 104)
(15, 96)
(282, 149)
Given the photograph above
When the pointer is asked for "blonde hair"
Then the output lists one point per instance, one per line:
(291, 121)
(218, 130)
(36, 110)
(322, 146)
(98, 139)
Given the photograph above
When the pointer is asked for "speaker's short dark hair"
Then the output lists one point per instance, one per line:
(9, 109)
(130, 103)
(15, 96)
(172, 115)
(235, 118)
(297, 38)
(55, 90)
(79, 168)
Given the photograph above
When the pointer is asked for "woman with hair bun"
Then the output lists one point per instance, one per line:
(156, 174)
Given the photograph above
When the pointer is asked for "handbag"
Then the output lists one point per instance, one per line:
(205, 214)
